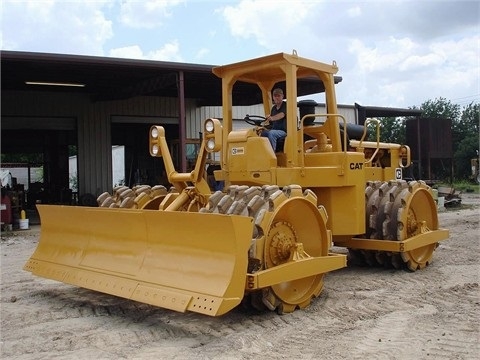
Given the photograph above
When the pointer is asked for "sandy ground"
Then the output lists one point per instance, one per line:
(363, 313)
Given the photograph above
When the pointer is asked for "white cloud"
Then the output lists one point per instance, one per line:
(389, 53)
(385, 55)
(460, 68)
(265, 20)
(414, 62)
(146, 14)
(407, 56)
(127, 52)
(406, 72)
(354, 11)
(73, 27)
(169, 52)
(201, 53)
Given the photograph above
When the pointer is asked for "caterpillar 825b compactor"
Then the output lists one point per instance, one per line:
(266, 240)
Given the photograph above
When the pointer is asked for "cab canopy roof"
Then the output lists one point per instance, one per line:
(273, 68)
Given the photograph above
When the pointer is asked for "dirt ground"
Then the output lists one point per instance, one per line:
(363, 313)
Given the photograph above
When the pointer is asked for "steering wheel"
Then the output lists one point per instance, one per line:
(255, 120)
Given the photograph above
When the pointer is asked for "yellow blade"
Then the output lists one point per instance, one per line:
(176, 260)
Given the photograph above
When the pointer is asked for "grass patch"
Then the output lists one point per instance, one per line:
(463, 186)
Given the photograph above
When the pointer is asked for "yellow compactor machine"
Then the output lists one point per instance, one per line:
(266, 240)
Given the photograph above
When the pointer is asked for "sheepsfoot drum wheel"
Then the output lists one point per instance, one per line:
(398, 210)
(138, 197)
(412, 212)
(291, 227)
(288, 227)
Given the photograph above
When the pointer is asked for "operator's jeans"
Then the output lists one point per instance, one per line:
(274, 135)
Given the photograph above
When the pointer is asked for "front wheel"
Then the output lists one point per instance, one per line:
(288, 226)
(292, 227)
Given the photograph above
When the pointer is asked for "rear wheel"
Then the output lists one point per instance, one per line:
(413, 211)
(398, 210)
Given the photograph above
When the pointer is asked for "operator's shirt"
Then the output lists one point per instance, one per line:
(282, 123)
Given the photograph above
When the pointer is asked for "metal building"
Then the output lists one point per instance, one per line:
(56, 104)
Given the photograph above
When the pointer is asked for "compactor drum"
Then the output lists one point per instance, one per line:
(266, 240)
(140, 197)
(288, 227)
(397, 210)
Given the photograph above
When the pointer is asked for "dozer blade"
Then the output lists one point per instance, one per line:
(175, 260)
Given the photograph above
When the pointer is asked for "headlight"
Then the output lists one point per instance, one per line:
(211, 144)
(154, 133)
(154, 149)
(209, 126)
(212, 136)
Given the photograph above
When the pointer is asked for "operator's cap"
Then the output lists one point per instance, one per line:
(277, 91)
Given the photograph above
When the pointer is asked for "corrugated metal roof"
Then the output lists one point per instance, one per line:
(108, 78)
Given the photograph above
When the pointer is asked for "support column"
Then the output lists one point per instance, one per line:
(181, 122)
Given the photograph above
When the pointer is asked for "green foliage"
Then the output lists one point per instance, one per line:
(74, 182)
(465, 134)
(440, 108)
(463, 186)
(465, 131)
(72, 150)
(22, 158)
(391, 130)
(463, 154)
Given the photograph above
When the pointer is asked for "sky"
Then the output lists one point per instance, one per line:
(389, 53)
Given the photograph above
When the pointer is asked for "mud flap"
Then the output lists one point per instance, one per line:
(175, 260)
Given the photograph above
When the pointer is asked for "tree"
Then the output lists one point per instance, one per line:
(440, 108)
(22, 158)
(465, 131)
(392, 130)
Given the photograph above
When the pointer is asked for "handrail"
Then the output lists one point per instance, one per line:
(407, 155)
(377, 122)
